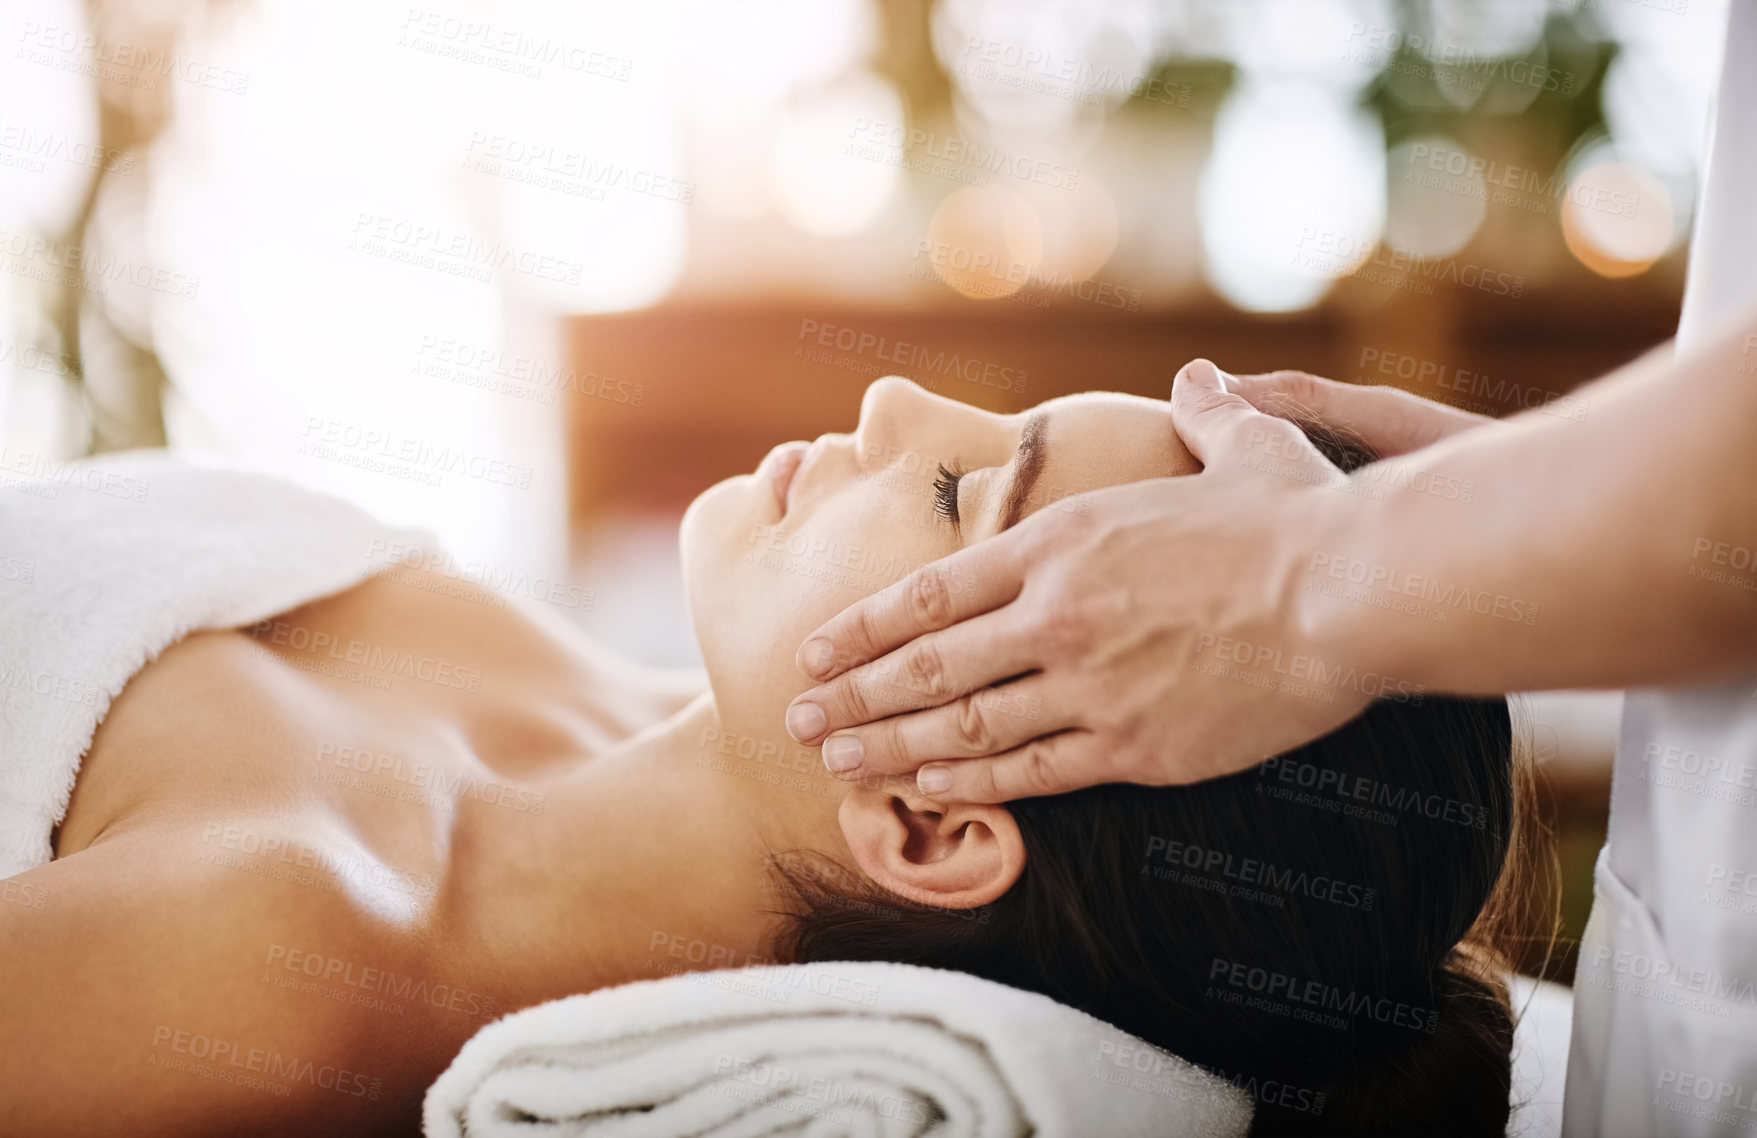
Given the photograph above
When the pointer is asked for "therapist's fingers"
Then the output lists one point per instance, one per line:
(1055, 764)
(927, 672)
(1216, 424)
(987, 722)
(1389, 420)
(972, 581)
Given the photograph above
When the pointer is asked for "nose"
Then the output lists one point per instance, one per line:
(897, 415)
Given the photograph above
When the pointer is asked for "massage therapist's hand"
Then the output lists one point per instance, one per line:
(1114, 618)
(1389, 421)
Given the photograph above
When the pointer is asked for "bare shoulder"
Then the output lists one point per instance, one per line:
(135, 1002)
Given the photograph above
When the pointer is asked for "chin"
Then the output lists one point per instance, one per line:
(706, 536)
(748, 620)
(712, 540)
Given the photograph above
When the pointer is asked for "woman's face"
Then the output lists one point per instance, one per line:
(770, 556)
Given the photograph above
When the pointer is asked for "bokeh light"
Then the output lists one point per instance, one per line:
(1437, 197)
(1079, 227)
(1293, 195)
(47, 112)
(1040, 63)
(815, 179)
(1617, 218)
(986, 242)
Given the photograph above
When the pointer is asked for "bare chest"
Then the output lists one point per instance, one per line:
(278, 813)
(376, 713)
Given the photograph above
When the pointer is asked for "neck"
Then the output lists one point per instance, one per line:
(647, 860)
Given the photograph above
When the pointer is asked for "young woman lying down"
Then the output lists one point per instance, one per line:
(285, 893)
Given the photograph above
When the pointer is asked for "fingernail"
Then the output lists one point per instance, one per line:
(1199, 372)
(1228, 381)
(816, 657)
(805, 721)
(932, 780)
(843, 752)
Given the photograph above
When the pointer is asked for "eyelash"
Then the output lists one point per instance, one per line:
(945, 494)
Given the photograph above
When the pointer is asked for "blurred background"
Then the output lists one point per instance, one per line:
(534, 274)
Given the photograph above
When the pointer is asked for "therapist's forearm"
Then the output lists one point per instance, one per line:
(1597, 553)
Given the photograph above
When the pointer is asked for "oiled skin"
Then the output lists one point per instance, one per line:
(148, 975)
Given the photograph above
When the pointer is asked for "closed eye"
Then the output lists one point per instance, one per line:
(945, 494)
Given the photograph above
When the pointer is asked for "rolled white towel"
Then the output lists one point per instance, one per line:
(834, 1050)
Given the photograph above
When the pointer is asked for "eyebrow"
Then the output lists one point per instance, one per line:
(1027, 468)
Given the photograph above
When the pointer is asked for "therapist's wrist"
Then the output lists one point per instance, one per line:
(1330, 592)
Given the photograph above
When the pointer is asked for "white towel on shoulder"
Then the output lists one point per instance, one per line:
(104, 564)
(833, 1050)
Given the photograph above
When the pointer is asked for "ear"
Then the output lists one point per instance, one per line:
(954, 856)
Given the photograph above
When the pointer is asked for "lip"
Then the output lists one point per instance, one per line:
(782, 465)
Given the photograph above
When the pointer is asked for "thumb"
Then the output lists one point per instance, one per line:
(1211, 419)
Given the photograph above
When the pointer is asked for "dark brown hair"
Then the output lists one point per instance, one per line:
(1328, 930)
